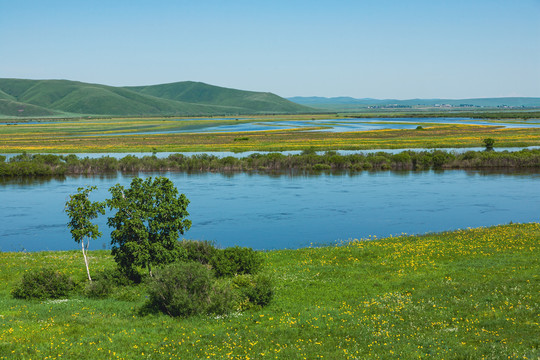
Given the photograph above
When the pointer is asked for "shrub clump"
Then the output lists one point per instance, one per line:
(254, 291)
(236, 261)
(184, 289)
(43, 284)
(201, 251)
(105, 283)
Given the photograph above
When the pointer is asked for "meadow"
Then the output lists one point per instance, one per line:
(103, 135)
(466, 294)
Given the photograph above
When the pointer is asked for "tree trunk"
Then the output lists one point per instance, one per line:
(149, 269)
(86, 261)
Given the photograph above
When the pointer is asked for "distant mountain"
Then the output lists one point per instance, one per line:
(19, 97)
(347, 103)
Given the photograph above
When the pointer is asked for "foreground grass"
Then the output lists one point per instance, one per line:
(471, 294)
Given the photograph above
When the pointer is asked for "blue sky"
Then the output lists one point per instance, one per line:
(363, 48)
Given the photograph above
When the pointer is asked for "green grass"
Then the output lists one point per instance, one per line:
(469, 294)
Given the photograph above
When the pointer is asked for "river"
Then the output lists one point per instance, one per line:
(287, 210)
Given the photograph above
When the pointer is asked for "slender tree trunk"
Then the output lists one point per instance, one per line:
(149, 269)
(86, 261)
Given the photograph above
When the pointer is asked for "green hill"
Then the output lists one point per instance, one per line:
(9, 108)
(63, 97)
(197, 92)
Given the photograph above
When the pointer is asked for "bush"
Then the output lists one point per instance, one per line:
(201, 251)
(320, 167)
(185, 289)
(489, 142)
(236, 261)
(254, 290)
(222, 298)
(105, 282)
(98, 289)
(43, 284)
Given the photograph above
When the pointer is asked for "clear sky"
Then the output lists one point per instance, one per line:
(360, 48)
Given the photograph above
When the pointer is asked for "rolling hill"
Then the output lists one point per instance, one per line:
(21, 97)
(200, 93)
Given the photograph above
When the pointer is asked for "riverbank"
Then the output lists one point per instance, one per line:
(464, 294)
(60, 165)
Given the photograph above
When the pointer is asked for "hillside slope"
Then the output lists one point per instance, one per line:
(64, 97)
(197, 92)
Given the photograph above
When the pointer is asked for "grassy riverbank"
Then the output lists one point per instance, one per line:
(471, 294)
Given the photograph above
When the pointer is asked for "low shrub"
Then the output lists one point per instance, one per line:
(222, 298)
(183, 289)
(255, 290)
(320, 167)
(98, 289)
(43, 284)
(236, 261)
(199, 250)
(105, 282)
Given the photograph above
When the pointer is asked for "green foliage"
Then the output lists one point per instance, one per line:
(150, 216)
(186, 289)
(255, 290)
(489, 142)
(201, 251)
(222, 298)
(106, 282)
(35, 165)
(236, 261)
(44, 283)
(81, 211)
(439, 158)
(319, 167)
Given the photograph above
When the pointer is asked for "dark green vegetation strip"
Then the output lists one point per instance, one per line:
(468, 294)
(46, 165)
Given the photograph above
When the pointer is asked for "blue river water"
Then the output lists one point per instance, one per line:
(286, 210)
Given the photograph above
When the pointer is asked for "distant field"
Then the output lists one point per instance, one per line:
(98, 135)
(468, 294)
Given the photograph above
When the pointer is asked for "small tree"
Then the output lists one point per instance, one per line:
(80, 211)
(489, 142)
(149, 217)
